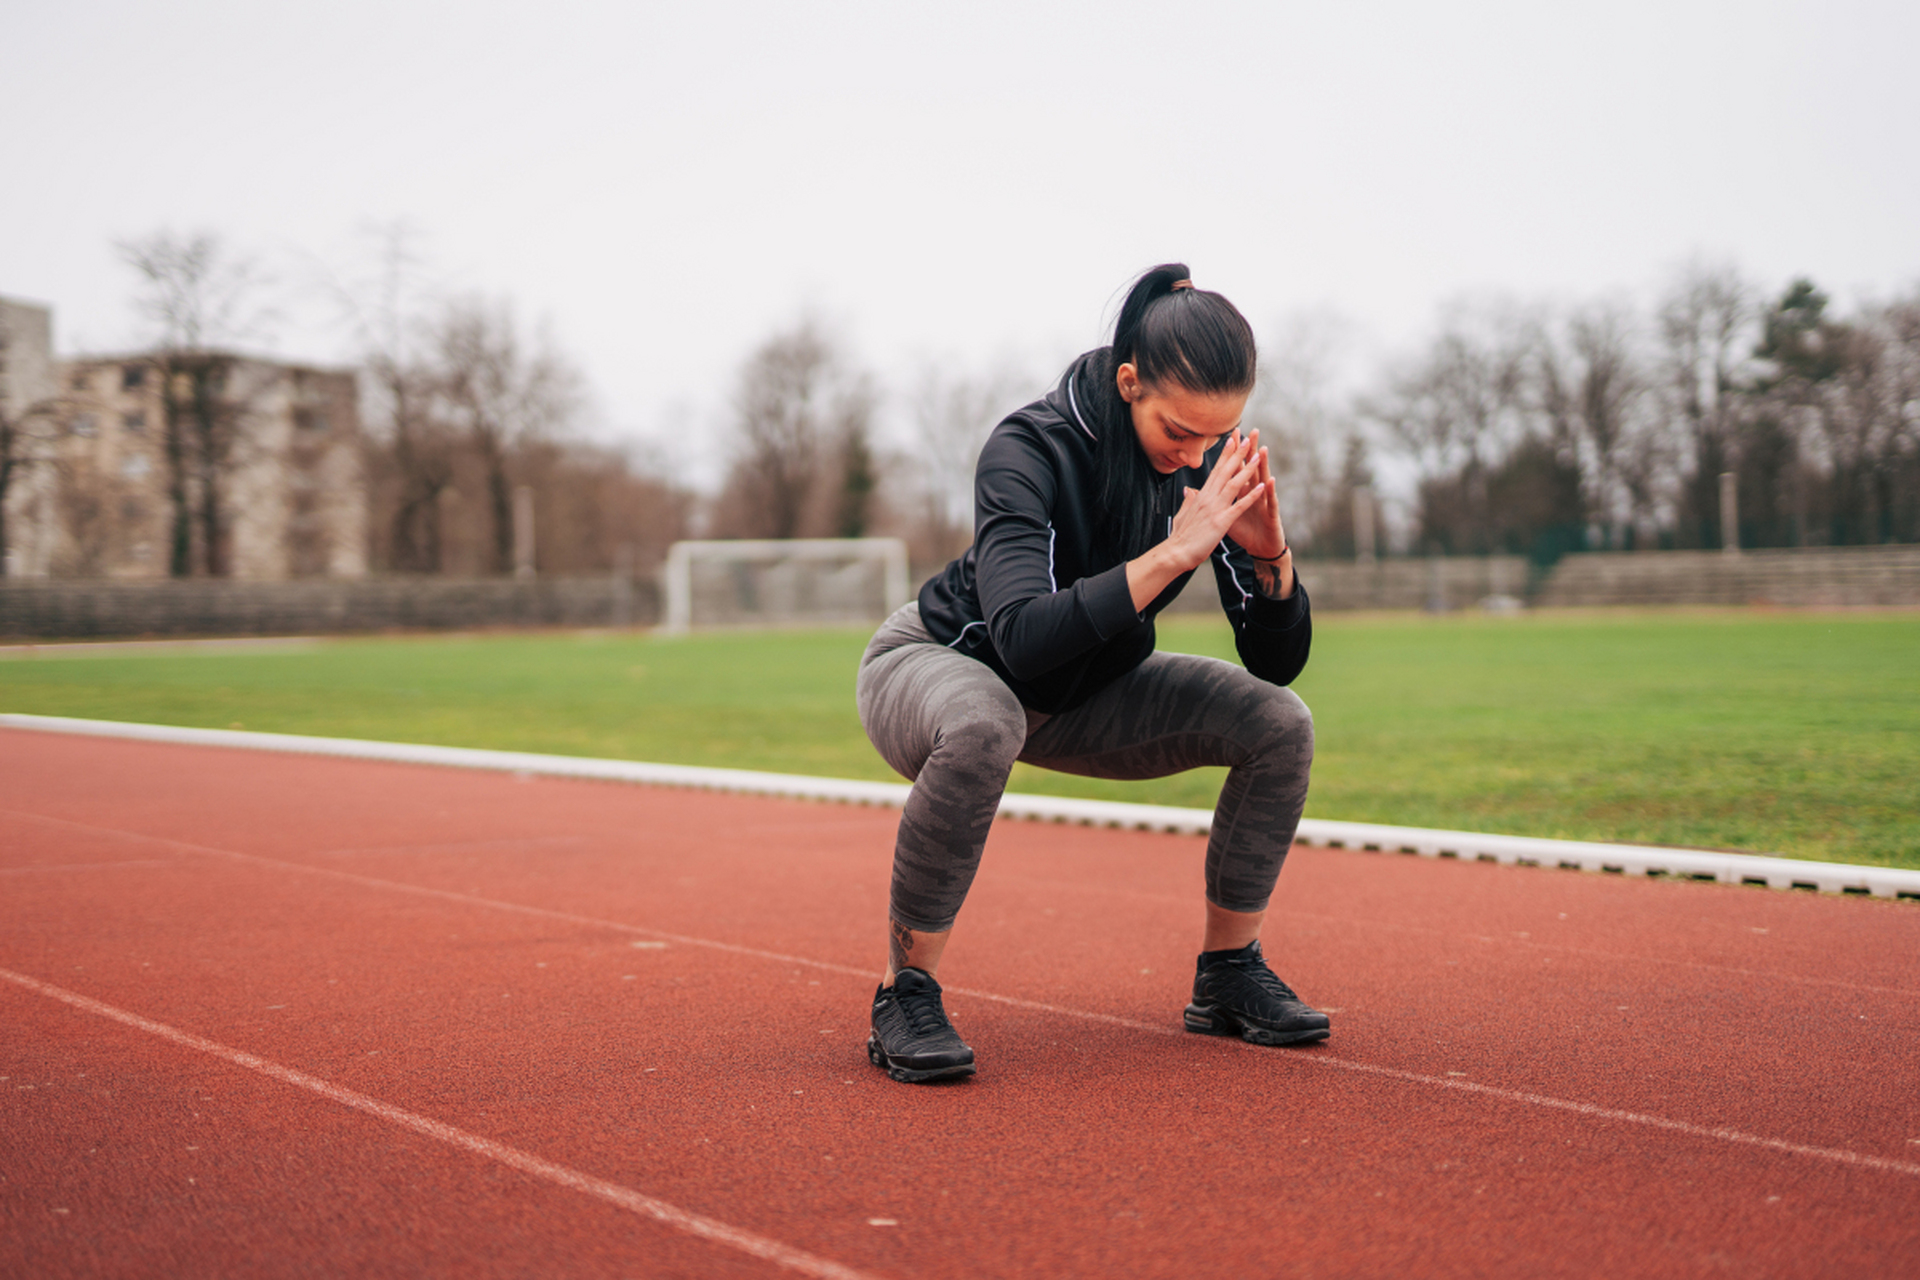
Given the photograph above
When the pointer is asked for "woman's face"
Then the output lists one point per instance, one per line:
(1177, 426)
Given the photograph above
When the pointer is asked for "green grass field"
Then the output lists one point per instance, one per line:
(1781, 733)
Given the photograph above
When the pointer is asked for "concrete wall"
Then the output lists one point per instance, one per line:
(26, 357)
(83, 609)
(28, 388)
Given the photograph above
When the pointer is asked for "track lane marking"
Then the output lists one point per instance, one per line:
(45, 868)
(1321, 917)
(646, 1206)
(1591, 1110)
(1902, 992)
(449, 846)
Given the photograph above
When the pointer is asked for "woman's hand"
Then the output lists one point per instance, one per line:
(1260, 533)
(1237, 489)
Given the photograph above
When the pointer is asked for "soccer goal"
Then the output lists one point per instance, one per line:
(783, 582)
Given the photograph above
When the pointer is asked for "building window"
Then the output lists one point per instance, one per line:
(134, 422)
(83, 425)
(311, 420)
(134, 466)
(133, 376)
(79, 381)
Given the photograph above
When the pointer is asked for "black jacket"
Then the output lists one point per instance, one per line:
(1040, 601)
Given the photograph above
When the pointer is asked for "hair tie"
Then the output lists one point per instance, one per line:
(1181, 284)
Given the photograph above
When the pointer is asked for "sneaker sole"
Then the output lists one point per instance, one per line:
(913, 1075)
(1210, 1020)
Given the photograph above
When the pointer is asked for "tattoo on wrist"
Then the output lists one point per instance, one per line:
(899, 945)
(1268, 576)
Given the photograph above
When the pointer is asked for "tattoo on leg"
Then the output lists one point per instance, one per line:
(899, 945)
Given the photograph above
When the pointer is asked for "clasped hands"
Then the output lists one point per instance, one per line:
(1237, 501)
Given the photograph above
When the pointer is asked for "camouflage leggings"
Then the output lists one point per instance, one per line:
(950, 724)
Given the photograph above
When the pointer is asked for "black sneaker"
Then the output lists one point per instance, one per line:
(911, 1037)
(1237, 995)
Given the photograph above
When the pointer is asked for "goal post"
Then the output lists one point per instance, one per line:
(783, 582)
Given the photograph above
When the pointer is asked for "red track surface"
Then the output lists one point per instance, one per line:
(403, 1020)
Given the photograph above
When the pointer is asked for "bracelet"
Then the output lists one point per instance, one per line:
(1284, 553)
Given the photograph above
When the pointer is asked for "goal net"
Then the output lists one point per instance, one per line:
(783, 583)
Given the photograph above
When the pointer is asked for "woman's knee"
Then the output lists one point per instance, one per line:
(985, 726)
(920, 701)
(1275, 717)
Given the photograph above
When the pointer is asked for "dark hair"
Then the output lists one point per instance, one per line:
(1187, 336)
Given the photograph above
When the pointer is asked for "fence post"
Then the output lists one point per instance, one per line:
(622, 610)
(522, 531)
(1729, 514)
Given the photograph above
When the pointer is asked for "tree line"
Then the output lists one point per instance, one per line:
(1515, 428)
(1596, 426)
(1519, 428)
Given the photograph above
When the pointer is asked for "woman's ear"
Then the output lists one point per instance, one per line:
(1127, 379)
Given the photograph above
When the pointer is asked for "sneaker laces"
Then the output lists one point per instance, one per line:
(922, 1010)
(1263, 977)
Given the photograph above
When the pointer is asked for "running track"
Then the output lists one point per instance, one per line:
(270, 1015)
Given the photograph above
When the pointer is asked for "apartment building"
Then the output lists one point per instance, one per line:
(164, 464)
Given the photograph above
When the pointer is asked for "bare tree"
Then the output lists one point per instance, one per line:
(953, 411)
(1846, 390)
(196, 293)
(856, 495)
(1705, 325)
(502, 393)
(412, 449)
(599, 509)
(1898, 323)
(1315, 443)
(1455, 411)
(798, 408)
(1589, 385)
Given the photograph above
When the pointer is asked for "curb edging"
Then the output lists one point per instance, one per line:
(1584, 855)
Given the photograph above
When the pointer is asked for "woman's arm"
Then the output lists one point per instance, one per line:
(1035, 623)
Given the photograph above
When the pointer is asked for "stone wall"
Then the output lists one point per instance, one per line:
(84, 609)
(1826, 577)
(1849, 577)
(1435, 584)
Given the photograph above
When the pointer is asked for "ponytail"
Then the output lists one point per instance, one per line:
(1168, 331)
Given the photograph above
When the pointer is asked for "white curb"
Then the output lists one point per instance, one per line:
(1625, 859)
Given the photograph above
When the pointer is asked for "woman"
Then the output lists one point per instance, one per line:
(1093, 507)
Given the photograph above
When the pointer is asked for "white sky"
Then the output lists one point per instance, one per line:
(667, 184)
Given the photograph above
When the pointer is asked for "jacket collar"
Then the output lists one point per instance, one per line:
(1086, 396)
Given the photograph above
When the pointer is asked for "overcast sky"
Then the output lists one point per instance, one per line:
(667, 184)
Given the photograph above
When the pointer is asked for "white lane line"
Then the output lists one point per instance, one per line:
(1591, 1111)
(660, 1211)
(1315, 1056)
(44, 868)
(450, 846)
(446, 895)
(759, 954)
(1358, 922)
